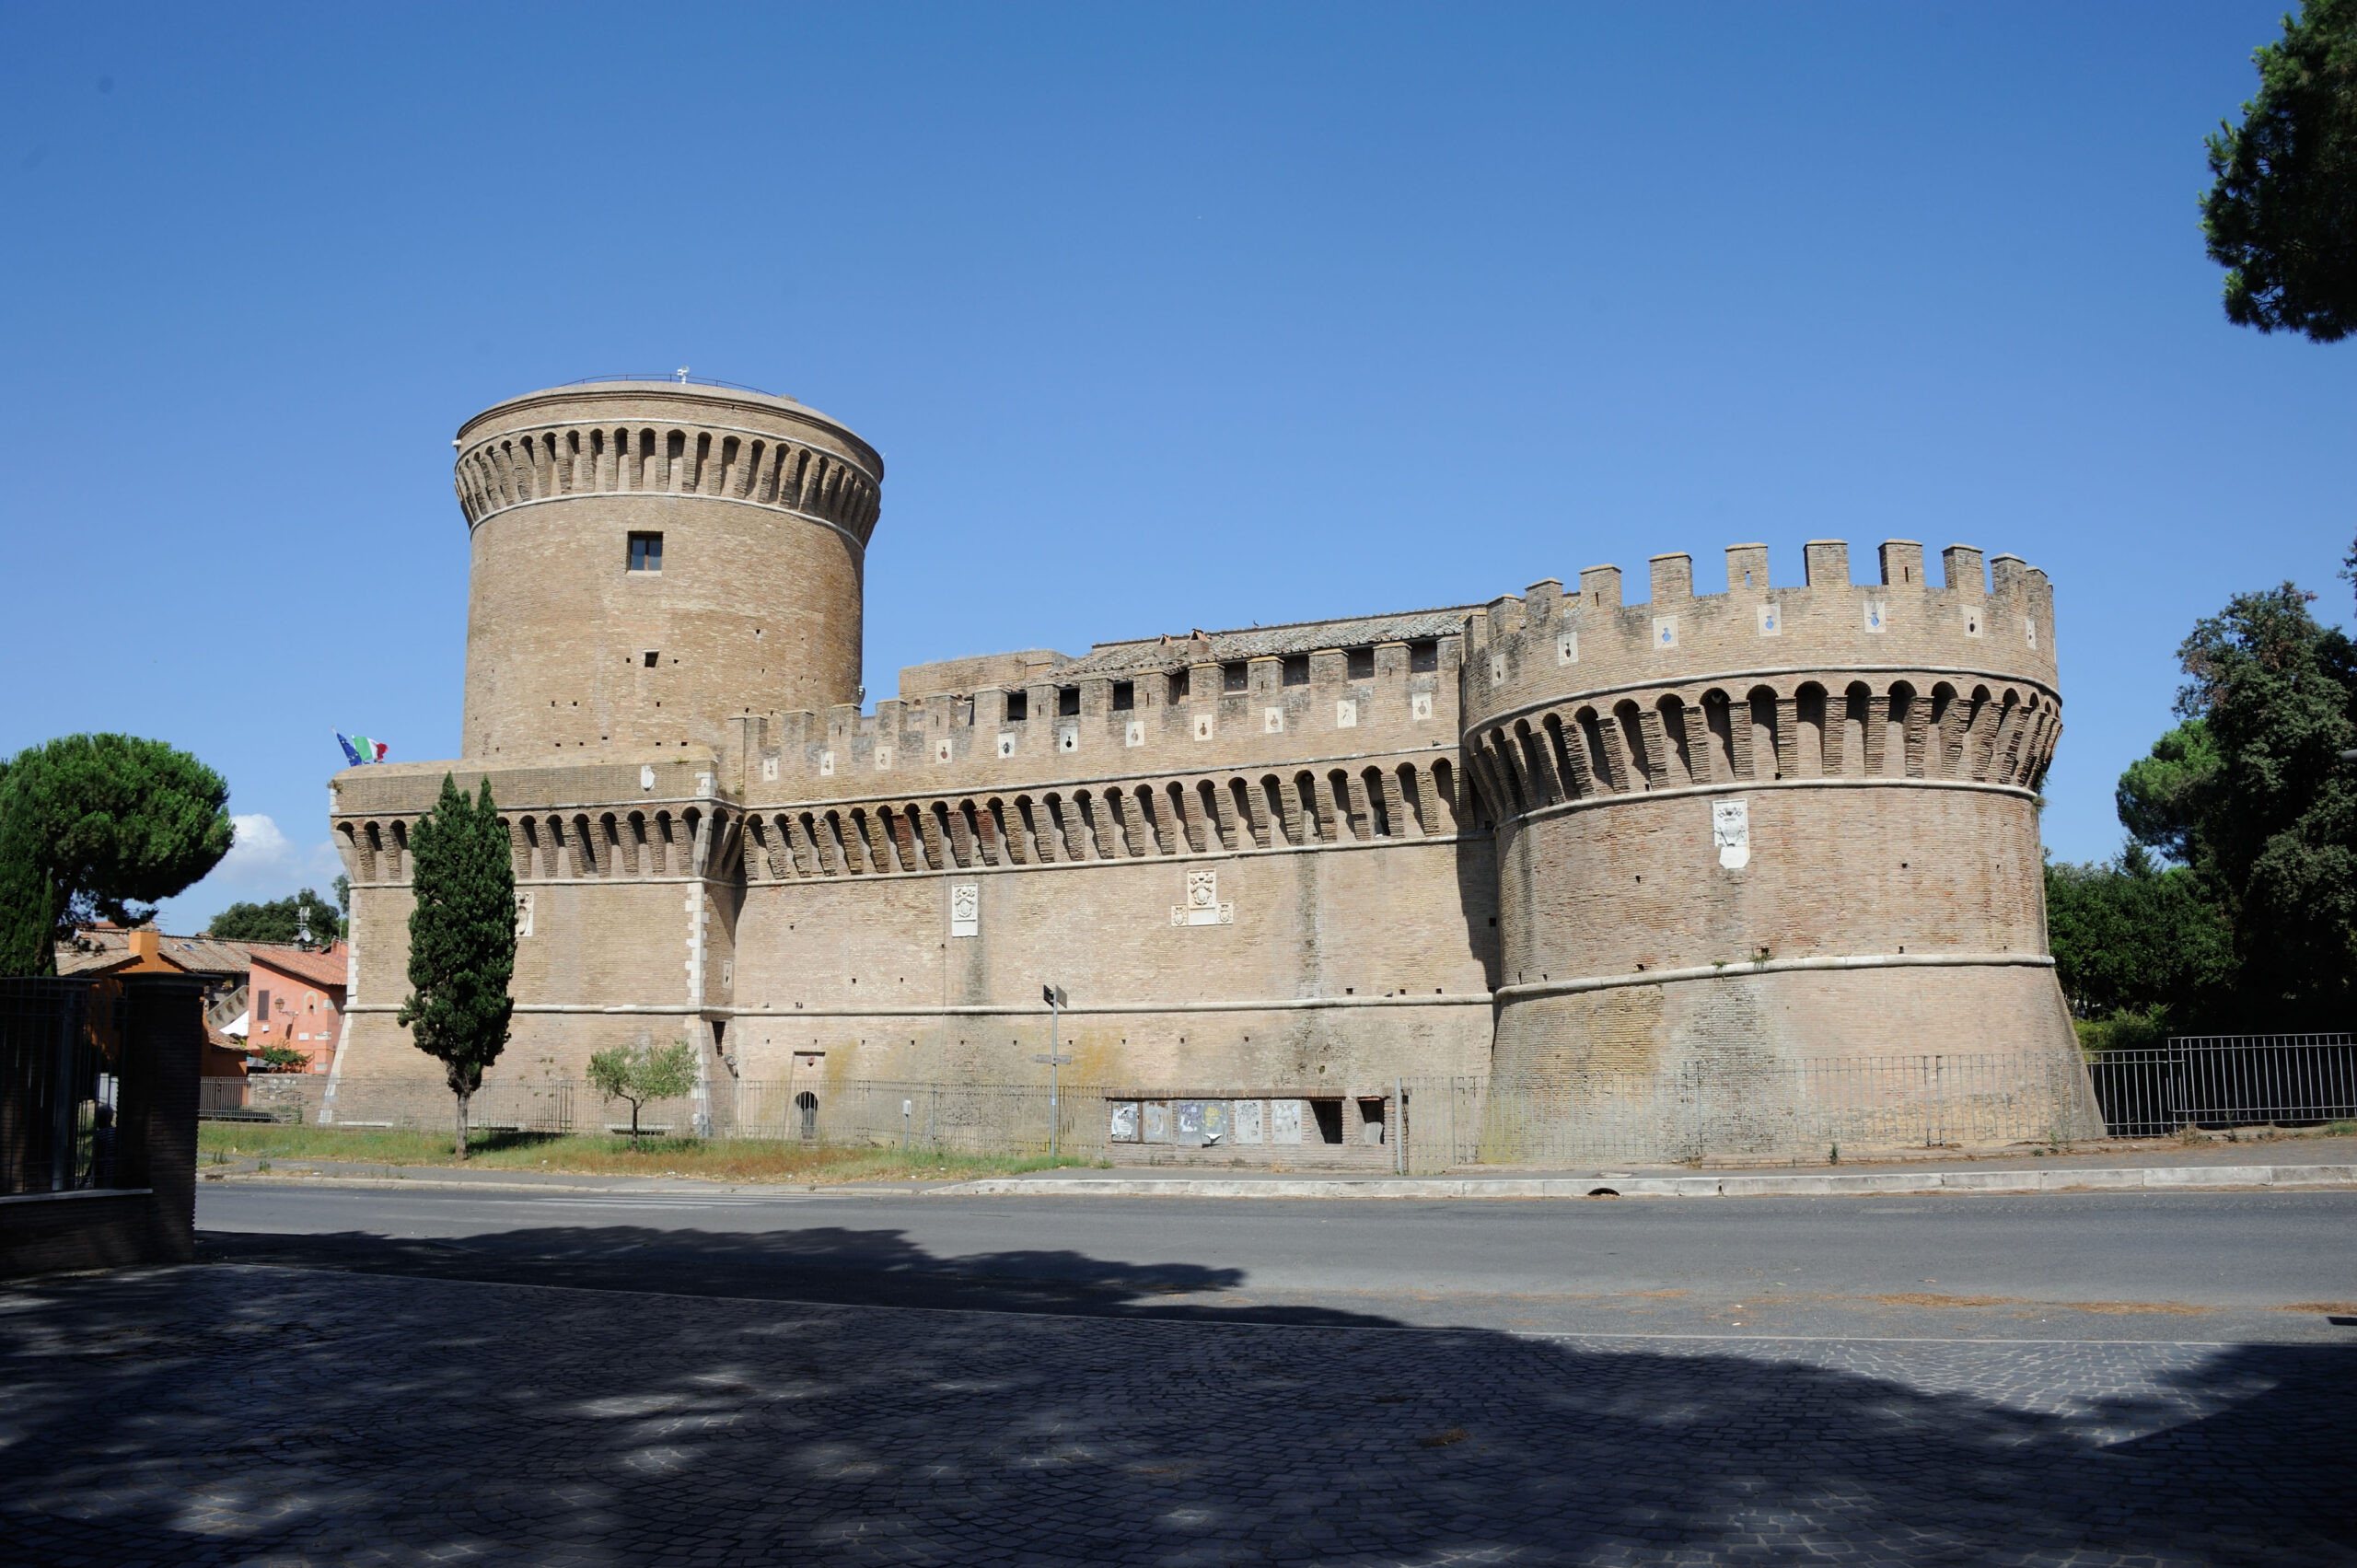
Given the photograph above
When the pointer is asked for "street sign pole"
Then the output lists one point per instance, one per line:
(1053, 995)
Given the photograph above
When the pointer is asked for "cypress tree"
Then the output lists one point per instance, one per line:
(461, 940)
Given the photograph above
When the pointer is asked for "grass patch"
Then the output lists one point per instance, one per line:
(599, 1154)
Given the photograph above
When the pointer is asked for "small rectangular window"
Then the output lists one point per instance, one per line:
(1233, 676)
(1423, 656)
(651, 658)
(646, 552)
(1067, 701)
(1297, 669)
(1019, 706)
(1179, 681)
(1362, 664)
(1125, 696)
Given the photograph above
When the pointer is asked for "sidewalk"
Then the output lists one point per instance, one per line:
(2292, 1163)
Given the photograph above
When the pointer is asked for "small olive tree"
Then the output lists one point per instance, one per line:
(641, 1073)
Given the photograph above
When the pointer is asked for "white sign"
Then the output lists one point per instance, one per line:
(1877, 614)
(1068, 738)
(1005, 744)
(965, 909)
(1770, 625)
(523, 914)
(1664, 631)
(1135, 734)
(1202, 726)
(825, 764)
(1346, 713)
(1272, 721)
(1420, 706)
(1972, 620)
(1567, 649)
(1731, 832)
(1285, 1122)
(883, 758)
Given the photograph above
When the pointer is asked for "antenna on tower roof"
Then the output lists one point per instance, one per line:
(682, 374)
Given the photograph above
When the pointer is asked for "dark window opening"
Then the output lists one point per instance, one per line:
(1019, 706)
(646, 552)
(1362, 664)
(1125, 696)
(807, 1104)
(652, 658)
(1330, 1119)
(1179, 682)
(1424, 656)
(1233, 676)
(1371, 1117)
(1297, 669)
(1067, 701)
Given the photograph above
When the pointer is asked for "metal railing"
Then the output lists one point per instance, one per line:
(2220, 1080)
(675, 378)
(61, 1103)
(1721, 1112)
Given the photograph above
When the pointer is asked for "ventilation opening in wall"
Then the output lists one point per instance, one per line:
(1423, 655)
(1019, 706)
(646, 552)
(1297, 669)
(1067, 701)
(1233, 676)
(1125, 696)
(651, 658)
(1178, 683)
(1329, 1113)
(1362, 664)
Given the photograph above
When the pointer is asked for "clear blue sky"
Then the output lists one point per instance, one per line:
(1163, 316)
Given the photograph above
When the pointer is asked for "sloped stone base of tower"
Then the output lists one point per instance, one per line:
(1789, 1065)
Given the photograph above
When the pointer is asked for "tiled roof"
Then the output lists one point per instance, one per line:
(1269, 642)
(328, 969)
(98, 950)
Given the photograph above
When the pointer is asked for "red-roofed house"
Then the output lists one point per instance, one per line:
(296, 1001)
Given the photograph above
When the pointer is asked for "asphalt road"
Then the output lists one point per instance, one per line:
(2193, 1267)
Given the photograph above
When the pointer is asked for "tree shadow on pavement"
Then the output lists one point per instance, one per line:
(416, 1403)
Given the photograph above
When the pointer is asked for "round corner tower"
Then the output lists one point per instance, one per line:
(1793, 829)
(652, 557)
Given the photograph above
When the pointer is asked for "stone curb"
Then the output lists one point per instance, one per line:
(2175, 1179)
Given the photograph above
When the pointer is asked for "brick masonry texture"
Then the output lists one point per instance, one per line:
(1291, 860)
(249, 1414)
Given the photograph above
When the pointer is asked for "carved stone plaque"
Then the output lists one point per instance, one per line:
(1731, 832)
(1202, 906)
(965, 909)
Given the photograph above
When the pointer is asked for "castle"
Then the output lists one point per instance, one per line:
(1281, 869)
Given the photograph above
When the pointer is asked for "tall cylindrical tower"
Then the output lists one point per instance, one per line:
(650, 557)
(1782, 840)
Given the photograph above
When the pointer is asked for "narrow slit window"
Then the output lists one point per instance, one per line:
(646, 552)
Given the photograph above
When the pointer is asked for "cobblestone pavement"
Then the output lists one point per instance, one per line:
(280, 1416)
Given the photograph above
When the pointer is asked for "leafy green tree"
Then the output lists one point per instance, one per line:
(281, 920)
(461, 940)
(2283, 217)
(2271, 825)
(2133, 939)
(99, 827)
(641, 1074)
(2160, 795)
(282, 1059)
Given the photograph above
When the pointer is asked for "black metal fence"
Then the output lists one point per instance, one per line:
(2220, 1080)
(62, 1092)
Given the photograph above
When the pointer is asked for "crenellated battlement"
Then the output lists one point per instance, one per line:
(1119, 713)
(1529, 651)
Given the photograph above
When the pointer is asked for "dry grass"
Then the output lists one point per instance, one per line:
(547, 1153)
